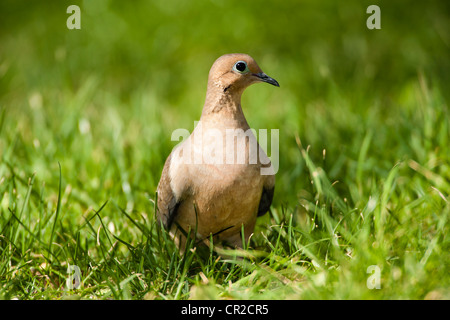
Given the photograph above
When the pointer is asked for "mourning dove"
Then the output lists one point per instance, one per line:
(207, 185)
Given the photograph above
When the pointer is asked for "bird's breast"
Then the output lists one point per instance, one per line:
(224, 195)
(222, 168)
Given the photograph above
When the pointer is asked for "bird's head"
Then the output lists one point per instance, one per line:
(236, 71)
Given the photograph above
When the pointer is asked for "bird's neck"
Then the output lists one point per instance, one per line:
(223, 102)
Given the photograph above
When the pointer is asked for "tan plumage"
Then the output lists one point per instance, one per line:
(216, 196)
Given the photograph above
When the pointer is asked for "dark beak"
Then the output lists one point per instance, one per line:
(265, 78)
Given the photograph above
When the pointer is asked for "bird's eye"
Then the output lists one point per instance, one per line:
(240, 66)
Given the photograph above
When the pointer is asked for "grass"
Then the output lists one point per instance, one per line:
(85, 124)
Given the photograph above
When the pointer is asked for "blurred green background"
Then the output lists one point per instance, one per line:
(140, 69)
(103, 101)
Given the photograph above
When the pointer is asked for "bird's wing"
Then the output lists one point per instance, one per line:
(167, 203)
(267, 195)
